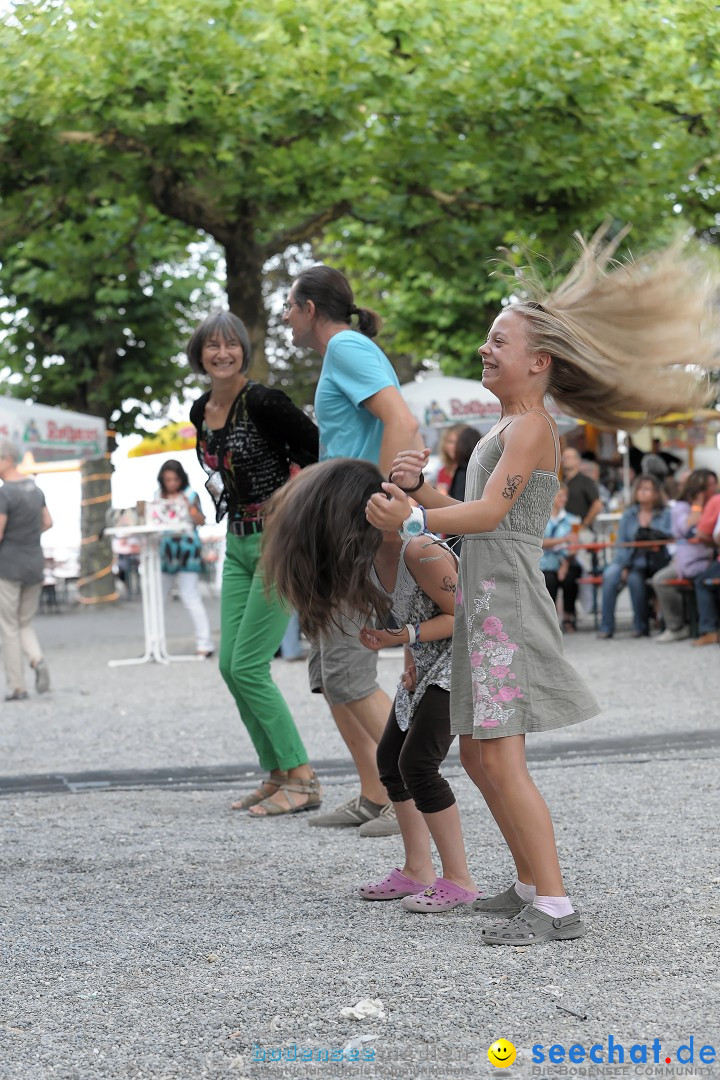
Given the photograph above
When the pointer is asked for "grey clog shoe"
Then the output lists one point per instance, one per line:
(506, 904)
(531, 926)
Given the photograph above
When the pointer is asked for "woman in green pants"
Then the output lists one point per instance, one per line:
(247, 436)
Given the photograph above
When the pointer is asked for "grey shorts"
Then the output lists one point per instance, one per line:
(339, 666)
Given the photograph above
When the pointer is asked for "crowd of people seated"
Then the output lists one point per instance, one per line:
(675, 586)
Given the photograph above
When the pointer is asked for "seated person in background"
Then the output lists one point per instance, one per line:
(707, 525)
(707, 592)
(690, 558)
(632, 566)
(559, 569)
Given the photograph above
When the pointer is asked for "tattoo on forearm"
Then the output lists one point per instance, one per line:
(448, 585)
(513, 483)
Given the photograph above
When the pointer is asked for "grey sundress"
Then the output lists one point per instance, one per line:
(409, 604)
(509, 675)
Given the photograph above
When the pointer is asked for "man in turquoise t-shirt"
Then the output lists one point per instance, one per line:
(361, 414)
(354, 371)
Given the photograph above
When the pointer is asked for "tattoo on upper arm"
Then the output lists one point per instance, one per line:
(448, 585)
(513, 483)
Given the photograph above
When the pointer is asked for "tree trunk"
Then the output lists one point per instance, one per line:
(244, 261)
(96, 584)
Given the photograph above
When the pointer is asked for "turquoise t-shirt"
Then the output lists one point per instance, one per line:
(354, 369)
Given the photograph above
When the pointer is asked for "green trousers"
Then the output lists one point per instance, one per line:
(252, 625)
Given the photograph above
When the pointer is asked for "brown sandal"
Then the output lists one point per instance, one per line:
(268, 808)
(268, 787)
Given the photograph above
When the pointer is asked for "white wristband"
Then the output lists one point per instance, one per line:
(411, 633)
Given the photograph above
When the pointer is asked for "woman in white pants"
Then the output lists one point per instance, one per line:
(181, 555)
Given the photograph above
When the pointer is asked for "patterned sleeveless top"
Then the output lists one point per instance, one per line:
(409, 604)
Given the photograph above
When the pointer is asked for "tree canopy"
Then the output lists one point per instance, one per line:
(405, 142)
(98, 304)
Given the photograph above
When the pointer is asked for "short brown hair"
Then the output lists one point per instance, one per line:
(648, 478)
(227, 326)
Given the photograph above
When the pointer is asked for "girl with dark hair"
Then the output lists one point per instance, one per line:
(181, 554)
(247, 437)
(337, 556)
(467, 439)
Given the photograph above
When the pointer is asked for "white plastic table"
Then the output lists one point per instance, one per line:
(153, 608)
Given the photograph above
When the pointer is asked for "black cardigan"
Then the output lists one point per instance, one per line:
(264, 432)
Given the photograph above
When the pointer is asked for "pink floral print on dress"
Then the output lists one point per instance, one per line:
(491, 655)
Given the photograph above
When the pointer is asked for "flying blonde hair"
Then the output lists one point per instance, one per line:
(631, 337)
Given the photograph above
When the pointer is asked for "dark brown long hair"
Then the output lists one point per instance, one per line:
(173, 466)
(695, 484)
(318, 548)
(333, 298)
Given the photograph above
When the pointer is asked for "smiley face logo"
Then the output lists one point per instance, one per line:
(501, 1054)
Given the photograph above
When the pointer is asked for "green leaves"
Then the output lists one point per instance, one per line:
(407, 142)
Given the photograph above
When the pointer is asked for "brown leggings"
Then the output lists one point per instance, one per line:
(409, 761)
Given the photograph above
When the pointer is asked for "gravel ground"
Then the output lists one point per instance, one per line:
(147, 931)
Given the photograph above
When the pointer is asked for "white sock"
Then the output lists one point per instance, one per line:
(556, 906)
(525, 892)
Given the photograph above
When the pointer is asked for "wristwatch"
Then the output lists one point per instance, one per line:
(415, 524)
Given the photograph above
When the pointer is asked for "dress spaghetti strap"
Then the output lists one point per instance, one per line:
(556, 441)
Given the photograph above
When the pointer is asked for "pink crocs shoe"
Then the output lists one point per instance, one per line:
(393, 887)
(442, 895)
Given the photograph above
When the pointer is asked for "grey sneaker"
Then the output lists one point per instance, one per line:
(42, 677)
(506, 903)
(385, 824)
(351, 814)
(672, 635)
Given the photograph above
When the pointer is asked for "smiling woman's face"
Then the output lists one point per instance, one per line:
(222, 357)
